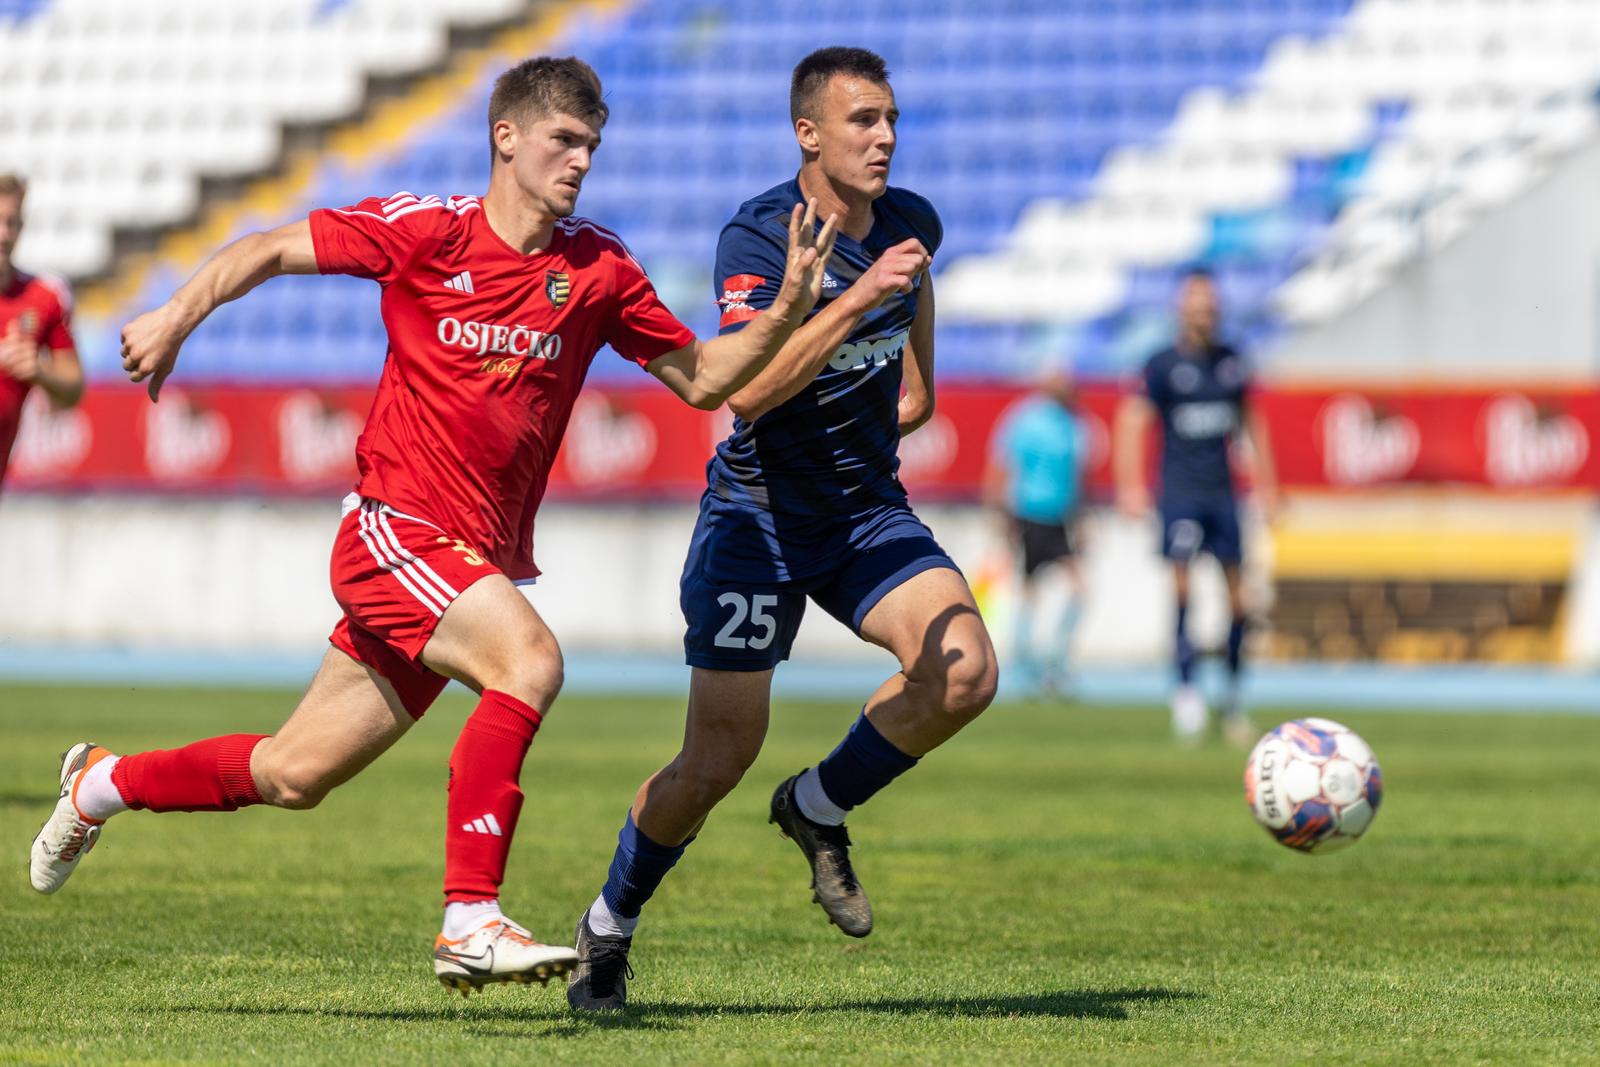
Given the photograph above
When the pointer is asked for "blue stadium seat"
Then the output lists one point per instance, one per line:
(1005, 102)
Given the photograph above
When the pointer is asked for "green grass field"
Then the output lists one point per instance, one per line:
(1055, 886)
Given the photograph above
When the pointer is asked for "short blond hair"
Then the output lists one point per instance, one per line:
(13, 185)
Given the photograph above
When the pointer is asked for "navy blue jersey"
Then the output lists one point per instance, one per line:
(831, 448)
(1200, 398)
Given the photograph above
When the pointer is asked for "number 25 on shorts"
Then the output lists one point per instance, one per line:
(757, 609)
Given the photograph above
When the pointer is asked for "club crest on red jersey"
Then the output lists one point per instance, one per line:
(557, 286)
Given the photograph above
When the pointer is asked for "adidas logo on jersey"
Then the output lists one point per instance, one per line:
(830, 282)
(461, 283)
(483, 824)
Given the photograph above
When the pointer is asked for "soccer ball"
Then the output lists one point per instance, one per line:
(1313, 784)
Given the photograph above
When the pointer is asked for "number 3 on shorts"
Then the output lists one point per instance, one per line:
(755, 608)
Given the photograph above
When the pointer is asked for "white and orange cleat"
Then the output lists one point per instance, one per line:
(68, 834)
(498, 951)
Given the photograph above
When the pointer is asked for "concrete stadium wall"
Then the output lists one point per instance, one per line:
(248, 575)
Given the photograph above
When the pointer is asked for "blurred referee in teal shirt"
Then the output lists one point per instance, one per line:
(1035, 480)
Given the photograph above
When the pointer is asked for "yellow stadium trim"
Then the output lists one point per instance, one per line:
(1423, 554)
(390, 123)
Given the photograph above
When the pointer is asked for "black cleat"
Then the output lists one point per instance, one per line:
(827, 849)
(600, 980)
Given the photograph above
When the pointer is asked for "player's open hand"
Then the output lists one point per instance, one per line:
(896, 271)
(19, 353)
(809, 249)
(150, 346)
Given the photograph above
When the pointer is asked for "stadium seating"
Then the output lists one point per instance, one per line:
(1080, 151)
(117, 111)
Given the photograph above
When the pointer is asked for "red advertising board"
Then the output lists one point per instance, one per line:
(643, 442)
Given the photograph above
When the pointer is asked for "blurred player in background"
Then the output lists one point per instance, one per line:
(1198, 389)
(494, 308)
(35, 329)
(1034, 481)
(804, 501)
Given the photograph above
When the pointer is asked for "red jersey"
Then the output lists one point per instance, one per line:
(44, 309)
(487, 351)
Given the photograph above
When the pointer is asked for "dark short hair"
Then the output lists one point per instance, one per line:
(13, 185)
(811, 75)
(1196, 272)
(545, 86)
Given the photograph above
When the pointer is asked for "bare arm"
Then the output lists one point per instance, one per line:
(150, 342)
(916, 407)
(1133, 426)
(706, 374)
(1266, 465)
(61, 376)
(812, 345)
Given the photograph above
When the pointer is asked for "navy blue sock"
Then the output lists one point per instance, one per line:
(1184, 648)
(636, 869)
(1235, 647)
(864, 763)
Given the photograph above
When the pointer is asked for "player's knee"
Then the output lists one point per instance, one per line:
(713, 776)
(970, 680)
(291, 788)
(532, 670)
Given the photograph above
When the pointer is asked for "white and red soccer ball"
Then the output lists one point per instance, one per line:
(1313, 784)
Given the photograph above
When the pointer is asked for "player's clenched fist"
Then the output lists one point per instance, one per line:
(895, 271)
(809, 249)
(150, 346)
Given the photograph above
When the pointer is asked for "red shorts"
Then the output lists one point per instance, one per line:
(394, 575)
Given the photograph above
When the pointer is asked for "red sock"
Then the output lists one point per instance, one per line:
(484, 798)
(209, 775)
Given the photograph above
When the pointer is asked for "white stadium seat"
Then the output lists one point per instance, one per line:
(168, 92)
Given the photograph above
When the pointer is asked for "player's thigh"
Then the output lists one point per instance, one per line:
(1183, 531)
(349, 716)
(490, 637)
(930, 622)
(727, 721)
(1224, 538)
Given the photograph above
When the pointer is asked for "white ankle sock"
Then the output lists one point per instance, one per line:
(97, 797)
(814, 802)
(608, 924)
(461, 919)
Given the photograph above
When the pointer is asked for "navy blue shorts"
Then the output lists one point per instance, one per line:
(1192, 526)
(749, 572)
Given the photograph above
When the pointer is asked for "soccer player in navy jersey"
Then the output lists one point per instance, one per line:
(804, 501)
(1199, 389)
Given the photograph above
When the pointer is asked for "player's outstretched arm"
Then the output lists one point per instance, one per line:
(813, 344)
(707, 373)
(1266, 465)
(1133, 427)
(150, 342)
(916, 406)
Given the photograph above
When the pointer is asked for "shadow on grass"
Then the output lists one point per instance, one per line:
(1062, 1004)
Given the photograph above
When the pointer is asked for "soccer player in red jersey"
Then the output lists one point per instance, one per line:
(494, 308)
(35, 329)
